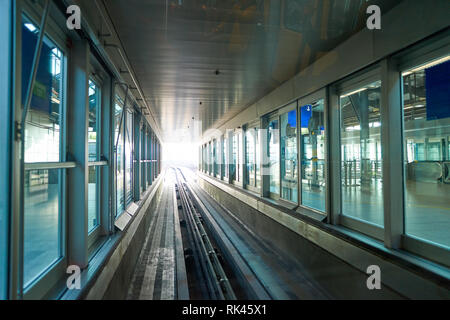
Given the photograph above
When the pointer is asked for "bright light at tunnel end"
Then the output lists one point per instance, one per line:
(182, 154)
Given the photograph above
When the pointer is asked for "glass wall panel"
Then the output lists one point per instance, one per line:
(128, 157)
(93, 155)
(426, 116)
(313, 155)
(258, 157)
(362, 188)
(250, 174)
(236, 157)
(289, 156)
(94, 101)
(42, 222)
(93, 197)
(224, 157)
(43, 138)
(214, 154)
(274, 156)
(42, 127)
(149, 157)
(118, 140)
(143, 158)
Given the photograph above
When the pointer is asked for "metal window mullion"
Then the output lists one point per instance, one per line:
(334, 157)
(299, 155)
(16, 287)
(392, 166)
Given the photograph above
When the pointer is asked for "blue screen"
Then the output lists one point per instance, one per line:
(437, 85)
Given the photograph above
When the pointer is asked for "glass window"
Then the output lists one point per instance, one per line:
(143, 158)
(93, 150)
(128, 157)
(289, 162)
(236, 157)
(43, 226)
(118, 139)
(93, 198)
(214, 154)
(274, 156)
(250, 174)
(313, 155)
(225, 159)
(362, 189)
(94, 103)
(150, 157)
(42, 127)
(426, 117)
(258, 157)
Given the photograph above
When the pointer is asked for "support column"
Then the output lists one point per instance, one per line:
(333, 158)
(391, 140)
(77, 142)
(6, 137)
(107, 192)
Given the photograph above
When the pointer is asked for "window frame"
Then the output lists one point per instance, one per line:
(100, 164)
(345, 86)
(285, 110)
(420, 54)
(308, 99)
(254, 125)
(50, 277)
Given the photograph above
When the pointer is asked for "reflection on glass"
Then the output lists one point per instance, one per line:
(361, 169)
(224, 158)
(42, 207)
(118, 140)
(236, 157)
(258, 158)
(426, 151)
(93, 149)
(274, 159)
(143, 164)
(149, 155)
(313, 155)
(128, 157)
(42, 127)
(289, 172)
(94, 99)
(93, 220)
(250, 174)
(42, 222)
(214, 155)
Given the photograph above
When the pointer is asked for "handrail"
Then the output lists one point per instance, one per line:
(49, 165)
(98, 164)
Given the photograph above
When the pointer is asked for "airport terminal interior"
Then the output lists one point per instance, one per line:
(224, 149)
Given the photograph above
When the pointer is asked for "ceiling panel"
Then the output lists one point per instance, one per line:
(199, 62)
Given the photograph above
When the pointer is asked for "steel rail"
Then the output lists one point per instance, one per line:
(216, 270)
(213, 288)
